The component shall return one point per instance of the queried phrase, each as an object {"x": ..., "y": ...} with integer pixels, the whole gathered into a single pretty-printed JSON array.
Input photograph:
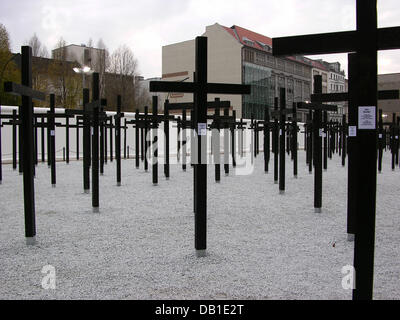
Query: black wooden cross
[
  {"x": 13, "y": 121},
  {"x": 394, "y": 140},
  {"x": 155, "y": 140},
  {"x": 317, "y": 135},
  {"x": 216, "y": 104},
  {"x": 353, "y": 154},
  {"x": 25, "y": 90},
  {"x": 281, "y": 114},
  {"x": 266, "y": 139},
  {"x": 94, "y": 108},
  {"x": 200, "y": 87},
  {"x": 275, "y": 141},
  {"x": 166, "y": 137},
  {"x": 380, "y": 140},
  {"x": 366, "y": 40},
  {"x": 52, "y": 140},
  {"x": 118, "y": 117}
]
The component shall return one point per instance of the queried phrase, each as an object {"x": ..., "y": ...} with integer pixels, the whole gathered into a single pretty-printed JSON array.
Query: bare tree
[
  {"x": 38, "y": 49},
  {"x": 123, "y": 69},
  {"x": 142, "y": 96},
  {"x": 102, "y": 64},
  {"x": 65, "y": 81},
  {"x": 39, "y": 66},
  {"x": 90, "y": 43}
]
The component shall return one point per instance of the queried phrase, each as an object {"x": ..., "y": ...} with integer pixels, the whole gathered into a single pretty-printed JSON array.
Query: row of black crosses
[
  {"x": 50, "y": 125},
  {"x": 92, "y": 117},
  {"x": 362, "y": 92},
  {"x": 143, "y": 122}
]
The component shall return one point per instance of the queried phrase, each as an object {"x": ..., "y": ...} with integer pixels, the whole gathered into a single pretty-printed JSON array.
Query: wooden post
[
  {"x": 86, "y": 142},
  {"x": 155, "y": 140},
  {"x": 52, "y": 155},
  {"x": 95, "y": 143},
  {"x": 282, "y": 155},
  {"x": 118, "y": 139},
  {"x": 166, "y": 137}
]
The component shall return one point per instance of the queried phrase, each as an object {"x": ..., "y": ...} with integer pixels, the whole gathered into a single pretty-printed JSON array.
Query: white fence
[{"x": 60, "y": 133}]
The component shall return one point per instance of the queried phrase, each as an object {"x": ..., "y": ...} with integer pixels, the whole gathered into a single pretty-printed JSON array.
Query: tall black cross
[
  {"x": 25, "y": 90},
  {"x": 118, "y": 117},
  {"x": 353, "y": 155},
  {"x": 281, "y": 114},
  {"x": 94, "y": 108},
  {"x": 216, "y": 105},
  {"x": 295, "y": 130},
  {"x": 317, "y": 135},
  {"x": 366, "y": 40},
  {"x": 52, "y": 154},
  {"x": 200, "y": 87}
]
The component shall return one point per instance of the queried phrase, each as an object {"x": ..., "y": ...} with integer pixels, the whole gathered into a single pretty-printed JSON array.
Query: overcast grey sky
[{"x": 145, "y": 26}]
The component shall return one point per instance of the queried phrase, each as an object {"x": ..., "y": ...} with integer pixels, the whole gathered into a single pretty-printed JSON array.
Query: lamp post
[{"x": 84, "y": 70}]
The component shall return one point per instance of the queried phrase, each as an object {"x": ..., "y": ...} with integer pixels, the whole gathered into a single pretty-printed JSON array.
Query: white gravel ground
[{"x": 261, "y": 245}]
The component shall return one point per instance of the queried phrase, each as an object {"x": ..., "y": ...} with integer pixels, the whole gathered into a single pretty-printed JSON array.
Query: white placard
[
  {"x": 380, "y": 136},
  {"x": 321, "y": 132},
  {"x": 280, "y": 132},
  {"x": 366, "y": 117},
  {"x": 202, "y": 129},
  {"x": 52, "y": 133},
  {"x": 352, "y": 131}
]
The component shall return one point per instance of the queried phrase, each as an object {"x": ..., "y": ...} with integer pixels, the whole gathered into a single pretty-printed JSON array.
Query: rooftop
[{"x": 258, "y": 41}]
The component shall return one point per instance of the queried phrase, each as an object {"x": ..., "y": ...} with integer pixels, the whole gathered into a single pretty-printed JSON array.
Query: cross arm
[
  {"x": 228, "y": 88},
  {"x": 189, "y": 105},
  {"x": 343, "y": 96},
  {"x": 172, "y": 86},
  {"x": 333, "y": 42},
  {"x": 278, "y": 112},
  {"x": 330, "y": 97},
  {"x": 319, "y": 43},
  {"x": 388, "y": 38},
  {"x": 20, "y": 90},
  {"x": 316, "y": 106},
  {"x": 388, "y": 94}
]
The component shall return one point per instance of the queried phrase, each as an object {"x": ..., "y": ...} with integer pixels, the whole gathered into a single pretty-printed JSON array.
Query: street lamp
[{"x": 84, "y": 70}]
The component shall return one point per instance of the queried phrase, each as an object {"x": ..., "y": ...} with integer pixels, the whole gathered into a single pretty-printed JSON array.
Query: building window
[
  {"x": 248, "y": 41},
  {"x": 270, "y": 60},
  {"x": 262, "y": 90},
  {"x": 248, "y": 55},
  {"x": 306, "y": 91},
  {"x": 281, "y": 64},
  {"x": 298, "y": 94},
  {"x": 260, "y": 58},
  {"x": 299, "y": 69},
  {"x": 289, "y": 67}
]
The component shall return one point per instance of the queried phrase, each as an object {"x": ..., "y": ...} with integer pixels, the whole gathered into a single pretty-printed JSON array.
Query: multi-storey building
[
  {"x": 93, "y": 58},
  {"x": 336, "y": 82},
  {"x": 238, "y": 55},
  {"x": 389, "y": 81}
]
